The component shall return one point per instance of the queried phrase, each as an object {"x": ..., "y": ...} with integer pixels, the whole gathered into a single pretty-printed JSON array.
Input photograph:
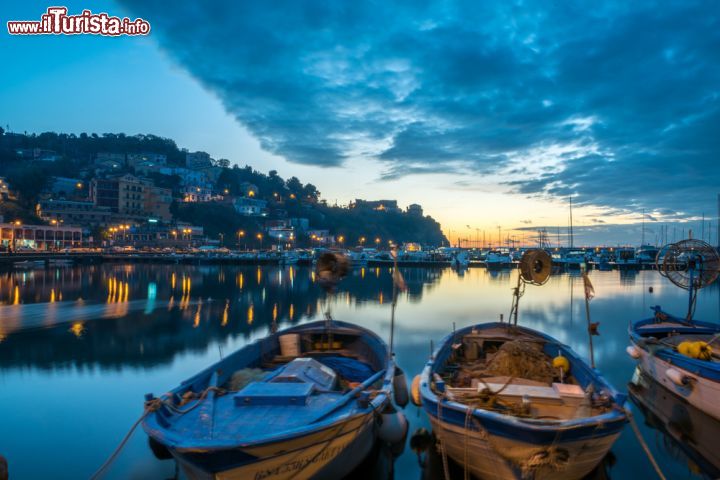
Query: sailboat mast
[
  {"x": 642, "y": 239},
  {"x": 571, "y": 226}
]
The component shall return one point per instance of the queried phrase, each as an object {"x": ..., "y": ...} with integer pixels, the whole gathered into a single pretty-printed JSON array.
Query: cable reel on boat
[
  {"x": 691, "y": 265},
  {"x": 535, "y": 268}
]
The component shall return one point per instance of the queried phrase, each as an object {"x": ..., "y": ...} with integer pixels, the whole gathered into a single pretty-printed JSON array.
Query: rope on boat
[
  {"x": 644, "y": 446},
  {"x": 150, "y": 407},
  {"x": 443, "y": 454}
]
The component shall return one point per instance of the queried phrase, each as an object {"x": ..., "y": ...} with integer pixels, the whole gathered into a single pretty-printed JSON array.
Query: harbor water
[{"x": 80, "y": 346}]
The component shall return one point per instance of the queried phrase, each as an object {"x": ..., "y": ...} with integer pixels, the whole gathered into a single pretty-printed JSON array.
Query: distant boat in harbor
[{"x": 495, "y": 259}]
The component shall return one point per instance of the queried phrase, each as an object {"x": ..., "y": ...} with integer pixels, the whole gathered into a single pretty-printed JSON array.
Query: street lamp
[
  {"x": 377, "y": 242},
  {"x": 260, "y": 237},
  {"x": 241, "y": 234},
  {"x": 341, "y": 239},
  {"x": 362, "y": 241},
  {"x": 17, "y": 223}
]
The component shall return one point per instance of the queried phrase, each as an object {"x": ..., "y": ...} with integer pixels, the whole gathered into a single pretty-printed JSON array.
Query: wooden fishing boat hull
[
  {"x": 496, "y": 446},
  {"x": 495, "y": 457},
  {"x": 701, "y": 387},
  {"x": 329, "y": 454}
]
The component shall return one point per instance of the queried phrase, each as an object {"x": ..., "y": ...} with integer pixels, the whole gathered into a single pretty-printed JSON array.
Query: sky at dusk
[{"x": 486, "y": 113}]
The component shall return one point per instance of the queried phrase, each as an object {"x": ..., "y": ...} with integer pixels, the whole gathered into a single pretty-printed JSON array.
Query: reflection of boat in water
[
  {"x": 29, "y": 264},
  {"x": 688, "y": 429},
  {"x": 300, "y": 403}
]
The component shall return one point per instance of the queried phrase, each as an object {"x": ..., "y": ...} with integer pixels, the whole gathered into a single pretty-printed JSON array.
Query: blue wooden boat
[
  {"x": 304, "y": 402},
  {"x": 518, "y": 425}
]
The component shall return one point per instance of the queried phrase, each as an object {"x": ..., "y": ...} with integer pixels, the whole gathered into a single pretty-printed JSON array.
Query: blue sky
[{"x": 487, "y": 113}]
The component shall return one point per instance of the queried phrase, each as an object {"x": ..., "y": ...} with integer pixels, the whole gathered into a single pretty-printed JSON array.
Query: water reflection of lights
[
  {"x": 77, "y": 329},
  {"x": 196, "y": 319},
  {"x": 275, "y": 312},
  {"x": 225, "y": 313},
  {"x": 16, "y": 296},
  {"x": 240, "y": 280},
  {"x": 291, "y": 313},
  {"x": 52, "y": 295},
  {"x": 259, "y": 275},
  {"x": 172, "y": 280},
  {"x": 250, "y": 314}
]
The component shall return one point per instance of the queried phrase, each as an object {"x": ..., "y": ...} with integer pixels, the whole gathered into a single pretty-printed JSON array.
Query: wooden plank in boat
[
  {"x": 544, "y": 394},
  {"x": 503, "y": 380}
]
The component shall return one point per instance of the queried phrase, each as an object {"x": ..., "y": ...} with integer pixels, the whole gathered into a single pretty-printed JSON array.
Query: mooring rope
[
  {"x": 644, "y": 446},
  {"x": 150, "y": 407},
  {"x": 443, "y": 454}
]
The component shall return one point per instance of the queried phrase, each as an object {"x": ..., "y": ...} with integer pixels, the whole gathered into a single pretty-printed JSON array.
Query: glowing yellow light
[
  {"x": 52, "y": 295},
  {"x": 291, "y": 313},
  {"x": 77, "y": 329},
  {"x": 259, "y": 275},
  {"x": 275, "y": 312},
  {"x": 250, "y": 314},
  {"x": 362, "y": 272},
  {"x": 225, "y": 314},
  {"x": 172, "y": 280},
  {"x": 251, "y": 193},
  {"x": 16, "y": 299},
  {"x": 381, "y": 298}
]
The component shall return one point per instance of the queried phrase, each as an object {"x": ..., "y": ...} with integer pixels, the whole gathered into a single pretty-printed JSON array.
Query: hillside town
[{"x": 148, "y": 200}]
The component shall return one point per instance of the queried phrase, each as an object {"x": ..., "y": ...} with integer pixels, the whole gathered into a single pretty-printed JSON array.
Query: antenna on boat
[
  {"x": 535, "y": 267},
  {"x": 331, "y": 267},
  {"x": 690, "y": 264}
]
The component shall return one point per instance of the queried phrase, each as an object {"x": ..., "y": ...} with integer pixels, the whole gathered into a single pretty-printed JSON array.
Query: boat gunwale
[{"x": 163, "y": 434}]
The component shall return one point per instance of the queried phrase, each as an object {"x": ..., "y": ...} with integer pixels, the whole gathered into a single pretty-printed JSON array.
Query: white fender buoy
[
  {"x": 678, "y": 377},
  {"x": 415, "y": 391},
  {"x": 633, "y": 352},
  {"x": 394, "y": 427},
  {"x": 400, "y": 389}
]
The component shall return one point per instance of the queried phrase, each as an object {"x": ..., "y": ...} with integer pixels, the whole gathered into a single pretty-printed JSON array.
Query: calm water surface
[{"x": 79, "y": 347}]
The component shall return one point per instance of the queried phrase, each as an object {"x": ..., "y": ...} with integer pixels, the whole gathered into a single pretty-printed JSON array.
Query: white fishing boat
[
  {"x": 498, "y": 259},
  {"x": 678, "y": 351}
]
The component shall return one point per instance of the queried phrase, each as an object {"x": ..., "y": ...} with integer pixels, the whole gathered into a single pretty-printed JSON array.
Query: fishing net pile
[{"x": 515, "y": 359}]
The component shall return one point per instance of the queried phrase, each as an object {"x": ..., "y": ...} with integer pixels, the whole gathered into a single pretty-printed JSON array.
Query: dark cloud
[{"x": 615, "y": 103}]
